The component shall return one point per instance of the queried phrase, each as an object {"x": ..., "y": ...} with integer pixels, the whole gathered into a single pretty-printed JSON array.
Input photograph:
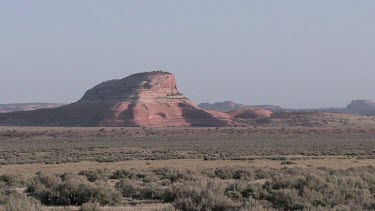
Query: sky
[{"x": 291, "y": 53}]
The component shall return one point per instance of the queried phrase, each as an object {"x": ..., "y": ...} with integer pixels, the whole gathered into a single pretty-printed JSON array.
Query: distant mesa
[
  {"x": 228, "y": 106},
  {"x": 359, "y": 107},
  {"x": 362, "y": 107},
  {"x": 225, "y": 106},
  {"x": 7, "y": 108},
  {"x": 149, "y": 99},
  {"x": 272, "y": 108}
]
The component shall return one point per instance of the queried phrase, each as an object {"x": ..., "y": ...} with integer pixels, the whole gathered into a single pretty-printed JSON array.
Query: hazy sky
[{"x": 291, "y": 53}]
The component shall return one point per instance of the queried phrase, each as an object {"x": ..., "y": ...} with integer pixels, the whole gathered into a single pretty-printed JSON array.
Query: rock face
[
  {"x": 6, "y": 108},
  {"x": 363, "y": 107},
  {"x": 146, "y": 99},
  {"x": 143, "y": 87}
]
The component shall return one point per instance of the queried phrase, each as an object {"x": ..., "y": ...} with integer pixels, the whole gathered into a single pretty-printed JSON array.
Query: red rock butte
[{"x": 149, "y": 99}]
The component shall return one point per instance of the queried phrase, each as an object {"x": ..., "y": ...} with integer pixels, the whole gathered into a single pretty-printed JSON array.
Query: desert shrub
[
  {"x": 20, "y": 202},
  {"x": 97, "y": 174},
  {"x": 244, "y": 191},
  {"x": 228, "y": 188},
  {"x": 168, "y": 173},
  {"x": 152, "y": 177},
  {"x": 42, "y": 181},
  {"x": 239, "y": 173},
  {"x": 157, "y": 192},
  {"x": 123, "y": 174},
  {"x": 5, "y": 192},
  {"x": 138, "y": 190},
  {"x": 12, "y": 180},
  {"x": 288, "y": 199},
  {"x": 224, "y": 173},
  {"x": 73, "y": 191},
  {"x": 90, "y": 206},
  {"x": 106, "y": 195},
  {"x": 129, "y": 188},
  {"x": 300, "y": 189},
  {"x": 202, "y": 195},
  {"x": 234, "y": 191}
]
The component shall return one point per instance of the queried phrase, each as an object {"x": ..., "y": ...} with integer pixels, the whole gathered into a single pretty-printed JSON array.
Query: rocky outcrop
[
  {"x": 272, "y": 108},
  {"x": 363, "y": 107},
  {"x": 148, "y": 99},
  {"x": 6, "y": 108},
  {"x": 225, "y": 106},
  {"x": 250, "y": 113}
]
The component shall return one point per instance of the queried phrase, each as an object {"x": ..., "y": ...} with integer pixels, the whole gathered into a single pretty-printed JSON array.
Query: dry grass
[
  {"x": 43, "y": 145},
  {"x": 335, "y": 162}
]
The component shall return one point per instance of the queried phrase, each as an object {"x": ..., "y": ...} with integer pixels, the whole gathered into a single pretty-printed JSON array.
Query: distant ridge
[
  {"x": 360, "y": 107},
  {"x": 13, "y": 107},
  {"x": 227, "y": 106}
]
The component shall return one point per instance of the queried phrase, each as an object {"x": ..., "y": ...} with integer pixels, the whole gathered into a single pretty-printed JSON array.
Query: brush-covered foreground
[
  {"x": 230, "y": 188},
  {"x": 257, "y": 168}
]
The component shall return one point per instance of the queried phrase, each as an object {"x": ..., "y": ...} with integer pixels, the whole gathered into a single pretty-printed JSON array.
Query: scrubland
[{"x": 263, "y": 167}]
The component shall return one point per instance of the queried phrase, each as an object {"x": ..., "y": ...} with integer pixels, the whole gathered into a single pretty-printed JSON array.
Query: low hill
[{"x": 250, "y": 113}]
